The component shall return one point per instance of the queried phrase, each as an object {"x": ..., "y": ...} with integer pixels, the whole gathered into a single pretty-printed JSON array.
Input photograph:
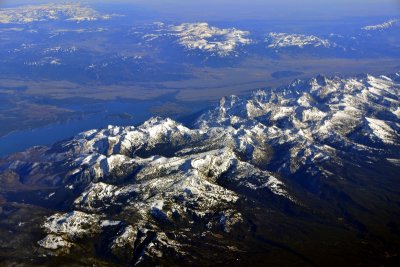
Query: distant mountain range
[
  {"x": 51, "y": 12},
  {"x": 192, "y": 37}
]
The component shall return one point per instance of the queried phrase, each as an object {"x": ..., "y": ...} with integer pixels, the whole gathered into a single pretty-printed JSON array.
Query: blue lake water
[{"x": 99, "y": 116}]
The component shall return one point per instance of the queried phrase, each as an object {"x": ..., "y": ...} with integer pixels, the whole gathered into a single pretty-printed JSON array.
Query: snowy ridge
[
  {"x": 201, "y": 36},
  {"x": 311, "y": 114},
  {"x": 281, "y": 40},
  {"x": 383, "y": 26},
  {"x": 220, "y": 42},
  {"x": 182, "y": 183},
  {"x": 224, "y": 42},
  {"x": 135, "y": 182},
  {"x": 50, "y": 12}
]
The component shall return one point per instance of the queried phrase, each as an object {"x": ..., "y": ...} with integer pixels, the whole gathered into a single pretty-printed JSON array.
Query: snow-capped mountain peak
[{"x": 204, "y": 37}]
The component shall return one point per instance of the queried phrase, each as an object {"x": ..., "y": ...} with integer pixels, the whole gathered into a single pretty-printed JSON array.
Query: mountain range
[{"x": 295, "y": 175}]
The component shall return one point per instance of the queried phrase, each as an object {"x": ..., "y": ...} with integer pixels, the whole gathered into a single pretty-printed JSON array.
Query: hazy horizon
[{"x": 254, "y": 9}]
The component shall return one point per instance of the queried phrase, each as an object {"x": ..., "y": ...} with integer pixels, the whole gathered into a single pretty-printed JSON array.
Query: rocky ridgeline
[{"x": 155, "y": 188}]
